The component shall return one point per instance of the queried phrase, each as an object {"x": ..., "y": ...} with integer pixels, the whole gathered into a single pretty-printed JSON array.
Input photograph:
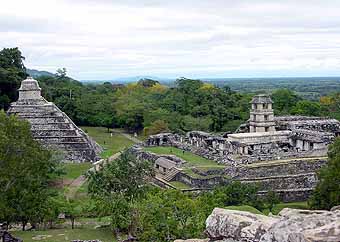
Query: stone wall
[
  {"x": 297, "y": 166},
  {"x": 209, "y": 182}
]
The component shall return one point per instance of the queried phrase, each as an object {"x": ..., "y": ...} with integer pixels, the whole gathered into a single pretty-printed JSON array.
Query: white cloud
[{"x": 105, "y": 39}]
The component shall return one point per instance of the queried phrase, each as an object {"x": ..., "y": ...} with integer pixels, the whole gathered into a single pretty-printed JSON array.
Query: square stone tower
[{"x": 261, "y": 114}]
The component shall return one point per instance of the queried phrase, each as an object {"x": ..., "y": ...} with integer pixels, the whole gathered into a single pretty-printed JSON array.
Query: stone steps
[
  {"x": 46, "y": 120},
  {"x": 71, "y": 146},
  {"x": 50, "y": 126},
  {"x": 171, "y": 174},
  {"x": 39, "y": 115},
  {"x": 54, "y": 132},
  {"x": 58, "y": 139}
]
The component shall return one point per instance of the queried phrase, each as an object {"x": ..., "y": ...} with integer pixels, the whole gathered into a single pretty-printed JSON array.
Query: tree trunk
[
  {"x": 23, "y": 225},
  {"x": 72, "y": 223}
]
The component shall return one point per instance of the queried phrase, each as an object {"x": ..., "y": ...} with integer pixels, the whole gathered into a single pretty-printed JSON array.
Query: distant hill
[
  {"x": 36, "y": 73},
  {"x": 130, "y": 79}
]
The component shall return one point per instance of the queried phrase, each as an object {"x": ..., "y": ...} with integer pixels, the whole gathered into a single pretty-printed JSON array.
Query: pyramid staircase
[{"x": 52, "y": 127}]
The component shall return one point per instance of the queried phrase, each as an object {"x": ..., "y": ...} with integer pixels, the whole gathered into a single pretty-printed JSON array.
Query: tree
[
  {"x": 156, "y": 127},
  {"x": 26, "y": 170},
  {"x": 61, "y": 72},
  {"x": 117, "y": 187},
  {"x": 72, "y": 210},
  {"x": 271, "y": 200},
  {"x": 166, "y": 215},
  {"x": 284, "y": 101},
  {"x": 306, "y": 107},
  {"x": 327, "y": 192},
  {"x": 12, "y": 72}
]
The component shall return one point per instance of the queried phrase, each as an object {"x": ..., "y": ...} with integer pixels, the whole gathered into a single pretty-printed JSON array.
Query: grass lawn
[
  {"x": 278, "y": 207},
  {"x": 110, "y": 144},
  {"x": 62, "y": 235},
  {"x": 74, "y": 170},
  {"x": 245, "y": 208},
  {"x": 179, "y": 185},
  {"x": 192, "y": 159}
]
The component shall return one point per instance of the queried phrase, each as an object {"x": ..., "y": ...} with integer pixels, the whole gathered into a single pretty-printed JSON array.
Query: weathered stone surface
[
  {"x": 237, "y": 225},
  {"x": 328, "y": 233},
  {"x": 297, "y": 225},
  {"x": 335, "y": 208},
  {"x": 192, "y": 240},
  {"x": 291, "y": 225}
]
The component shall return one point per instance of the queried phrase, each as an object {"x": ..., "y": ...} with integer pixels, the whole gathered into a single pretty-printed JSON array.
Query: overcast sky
[{"x": 106, "y": 39}]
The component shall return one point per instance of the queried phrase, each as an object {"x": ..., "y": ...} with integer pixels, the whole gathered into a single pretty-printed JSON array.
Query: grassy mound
[
  {"x": 245, "y": 208},
  {"x": 111, "y": 144}
]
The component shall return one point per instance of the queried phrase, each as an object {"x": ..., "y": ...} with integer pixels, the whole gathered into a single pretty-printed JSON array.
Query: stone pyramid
[{"x": 52, "y": 127}]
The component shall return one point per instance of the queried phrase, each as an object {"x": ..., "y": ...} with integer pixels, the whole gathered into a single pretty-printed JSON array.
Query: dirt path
[
  {"x": 74, "y": 186},
  {"x": 79, "y": 181},
  {"x": 133, "y": 139}
]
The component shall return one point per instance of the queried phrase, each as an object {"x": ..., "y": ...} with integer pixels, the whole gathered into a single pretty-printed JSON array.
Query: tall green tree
[
  {"x": 327, "y": 192},
  {"x": 117, "y": 187},
  {"x": 26, "y": 169},
  {"x": 12, "y": 72},
  {"x": 284, "y": 101},
  {"x": 169, "y": 215}
]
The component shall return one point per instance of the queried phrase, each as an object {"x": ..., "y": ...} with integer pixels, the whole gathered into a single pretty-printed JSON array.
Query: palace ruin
[{"x": 277, "y": 153}]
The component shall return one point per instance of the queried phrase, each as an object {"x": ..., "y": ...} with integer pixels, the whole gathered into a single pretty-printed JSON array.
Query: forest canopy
[{"x": 148, "y": 106}]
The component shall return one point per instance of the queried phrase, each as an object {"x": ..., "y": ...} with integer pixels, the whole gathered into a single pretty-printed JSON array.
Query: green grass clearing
[
  {"x": 111, "y": 145},
  {"x": 278, "y": 207},
  {"x": 179, "y": 185},
  {"x": 192, "y": 159},
  {"x": 62, "y": 235},
  {"x": 245, "y": 208},
  {"x": 191, "y": 173},
  {"x": 74, "y": 170}
]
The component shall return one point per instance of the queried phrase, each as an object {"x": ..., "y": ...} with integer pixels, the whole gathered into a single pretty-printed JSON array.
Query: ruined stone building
[
  {"x": 52, "y": 127},
  {"x": 277, "y": 153},
  {"x": 265, "y": 138}
]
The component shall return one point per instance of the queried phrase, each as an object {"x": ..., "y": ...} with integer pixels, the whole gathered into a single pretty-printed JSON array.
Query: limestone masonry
[
  {"x": 277, "y": 153},
  {"x": 264, "y": 137},
  {"x": 52, "y": 127}
]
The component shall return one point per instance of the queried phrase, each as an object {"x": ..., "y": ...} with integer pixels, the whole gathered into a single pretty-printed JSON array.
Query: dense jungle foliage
[{"x": 149, "y": 107}]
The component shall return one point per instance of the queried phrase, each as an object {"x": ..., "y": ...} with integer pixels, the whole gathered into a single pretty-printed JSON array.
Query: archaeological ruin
[
  {"x": 277, "y": 153},
  {"x": 52, "y": 127}
]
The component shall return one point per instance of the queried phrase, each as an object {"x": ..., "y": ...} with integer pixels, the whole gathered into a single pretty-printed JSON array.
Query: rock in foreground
[{"x": 291, "y": 225}]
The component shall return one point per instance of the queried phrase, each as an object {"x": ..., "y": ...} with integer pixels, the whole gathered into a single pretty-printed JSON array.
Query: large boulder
[
  {"x": 297, "y": 225},
  {"x": 292, "y": 225},
  {"x": 237, "y": 225}
]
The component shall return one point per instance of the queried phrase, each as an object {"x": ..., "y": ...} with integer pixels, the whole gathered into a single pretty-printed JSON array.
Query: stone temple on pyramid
[{"x": 52, "y": 127}]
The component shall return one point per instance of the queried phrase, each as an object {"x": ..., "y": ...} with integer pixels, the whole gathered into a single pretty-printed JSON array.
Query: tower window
[{"x": 266, "y": 117}]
